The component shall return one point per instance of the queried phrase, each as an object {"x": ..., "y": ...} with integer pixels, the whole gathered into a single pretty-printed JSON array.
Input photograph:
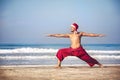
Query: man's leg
[
  {"x": 58, "y": 64},
  {"x": 85, "y": 57},
  {"x": 91, "y": 61},
  {"x": 61, "y": 54},
  {"x": 100, "y": 65}
]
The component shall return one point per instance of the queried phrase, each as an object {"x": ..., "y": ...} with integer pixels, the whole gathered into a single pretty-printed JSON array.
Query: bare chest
[{"x": 74, "y": 37}]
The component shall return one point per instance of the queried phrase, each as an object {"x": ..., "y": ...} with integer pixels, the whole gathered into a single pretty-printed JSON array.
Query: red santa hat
[{"x": 75, "y": 25}]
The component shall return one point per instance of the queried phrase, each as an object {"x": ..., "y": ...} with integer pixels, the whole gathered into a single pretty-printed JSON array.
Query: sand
[{"x": 66, "y": 73}]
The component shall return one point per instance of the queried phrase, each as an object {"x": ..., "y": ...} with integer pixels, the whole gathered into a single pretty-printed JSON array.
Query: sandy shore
[{"x": 66, "y": 73}]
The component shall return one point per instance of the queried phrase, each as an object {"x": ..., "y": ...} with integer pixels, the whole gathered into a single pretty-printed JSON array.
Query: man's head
[{"x": 74, "y": 27}]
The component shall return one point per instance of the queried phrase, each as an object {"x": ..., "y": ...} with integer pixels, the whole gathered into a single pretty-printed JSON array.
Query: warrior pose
[{"x": 76, "y": 48}]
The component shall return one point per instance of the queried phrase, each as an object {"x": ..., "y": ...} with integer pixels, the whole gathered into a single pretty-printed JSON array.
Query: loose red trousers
[{"x": 79, "y": 52}]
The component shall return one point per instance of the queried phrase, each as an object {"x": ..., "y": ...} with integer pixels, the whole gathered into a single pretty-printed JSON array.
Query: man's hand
[
  {"x": 101, "y": 35},
  {"x": 50, "y": 35}
]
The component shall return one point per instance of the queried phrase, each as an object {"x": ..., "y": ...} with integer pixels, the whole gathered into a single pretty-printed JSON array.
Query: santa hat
[{"x": 75, "y": 25}]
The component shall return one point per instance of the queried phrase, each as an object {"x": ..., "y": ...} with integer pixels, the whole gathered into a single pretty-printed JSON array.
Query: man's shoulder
[{"x": 81, "y": 32}]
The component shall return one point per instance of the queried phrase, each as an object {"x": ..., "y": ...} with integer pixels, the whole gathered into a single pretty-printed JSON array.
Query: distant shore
[{"x": 109, "y": 72}]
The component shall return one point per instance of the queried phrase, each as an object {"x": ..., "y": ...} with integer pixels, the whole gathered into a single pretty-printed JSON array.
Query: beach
[
  {"x": 65, "y": 73},
  {"x": 36, "y": 62}
]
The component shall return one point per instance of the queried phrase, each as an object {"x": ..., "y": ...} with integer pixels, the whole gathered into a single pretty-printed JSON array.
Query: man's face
[{"x": 72, "y": 29}]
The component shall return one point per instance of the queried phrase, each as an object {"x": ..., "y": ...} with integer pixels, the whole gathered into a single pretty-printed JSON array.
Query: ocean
[{"x": 44, "y": 54}]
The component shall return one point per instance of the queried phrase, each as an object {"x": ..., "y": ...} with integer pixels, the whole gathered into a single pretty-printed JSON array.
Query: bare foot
[
  {"x": 58, "y": 67},
  {"x": 100, "y": 65}
]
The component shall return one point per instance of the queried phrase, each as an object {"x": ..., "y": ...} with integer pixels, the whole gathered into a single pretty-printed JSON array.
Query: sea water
[{"x": 44, "y": 54}]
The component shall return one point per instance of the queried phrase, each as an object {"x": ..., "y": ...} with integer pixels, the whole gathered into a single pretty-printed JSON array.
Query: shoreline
[
  {"x": 54, "y": 65},
  {"x": 66, "y": 73}
]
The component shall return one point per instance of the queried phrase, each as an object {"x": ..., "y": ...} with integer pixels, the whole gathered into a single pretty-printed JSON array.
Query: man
[{"x": 76, "y": 48}]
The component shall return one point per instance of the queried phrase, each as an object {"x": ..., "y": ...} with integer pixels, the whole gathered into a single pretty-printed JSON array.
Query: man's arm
[
  {"x": 91, "y": 34},
  {"x": 59, "y": 35}
]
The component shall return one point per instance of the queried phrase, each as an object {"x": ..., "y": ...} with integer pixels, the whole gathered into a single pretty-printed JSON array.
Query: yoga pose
[{"x": 76, "y": 48}]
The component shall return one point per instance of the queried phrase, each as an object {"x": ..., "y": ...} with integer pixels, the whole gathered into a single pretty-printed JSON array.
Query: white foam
[
  {"x": 50, "y": 50},
  {"x": 53, "y": 57},
  {"x": 28, "y": 50},
  {"x": 26, "y": 57},
  {"x": 103, "y": 51}
]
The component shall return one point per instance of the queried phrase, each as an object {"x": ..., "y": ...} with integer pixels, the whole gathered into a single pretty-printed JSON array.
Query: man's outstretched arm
[
  {"x": 91, "y": 34},
  {"x": 58, "y": 35}
]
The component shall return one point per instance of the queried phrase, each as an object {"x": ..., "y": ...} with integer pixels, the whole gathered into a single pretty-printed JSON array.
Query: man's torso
[{"x": 75, "y": 39}]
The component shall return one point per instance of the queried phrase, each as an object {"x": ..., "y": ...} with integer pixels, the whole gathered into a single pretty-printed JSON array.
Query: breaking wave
[
  {"x": 50, "y": 50},
  {"x": 50, "y": 54}
]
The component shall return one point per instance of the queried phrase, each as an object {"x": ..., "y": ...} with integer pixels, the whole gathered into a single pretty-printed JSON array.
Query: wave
[
  {"x": 49, "y": 53},
  {"x": 104, "y": 51},
  {"x": 26, "y": 57},
  {"x": 28, "y": 50},
  {"x": 50, "y": 50},
  {"x": 53, "y": 57}
]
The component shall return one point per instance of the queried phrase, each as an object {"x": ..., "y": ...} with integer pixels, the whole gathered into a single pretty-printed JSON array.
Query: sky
[{"x": 28, "y": 21}]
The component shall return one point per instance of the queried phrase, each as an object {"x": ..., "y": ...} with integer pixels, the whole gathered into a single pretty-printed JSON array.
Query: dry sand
[{"x": 66, "y": 73}]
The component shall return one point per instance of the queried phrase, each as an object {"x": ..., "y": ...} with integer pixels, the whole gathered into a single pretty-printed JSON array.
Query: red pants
[{"x": 79, "y": 52}]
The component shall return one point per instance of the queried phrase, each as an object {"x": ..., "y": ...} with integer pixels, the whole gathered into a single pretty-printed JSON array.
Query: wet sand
[{"x": 66, "y": 73}]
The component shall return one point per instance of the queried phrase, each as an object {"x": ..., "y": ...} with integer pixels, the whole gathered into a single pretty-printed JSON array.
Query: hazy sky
[{"x": 28, "y": 21}]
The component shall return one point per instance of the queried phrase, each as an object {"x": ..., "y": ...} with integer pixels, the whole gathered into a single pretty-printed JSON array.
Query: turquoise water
[
  {"x": 44, "y": 54},
  {"x": 56, "y": 46}
]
